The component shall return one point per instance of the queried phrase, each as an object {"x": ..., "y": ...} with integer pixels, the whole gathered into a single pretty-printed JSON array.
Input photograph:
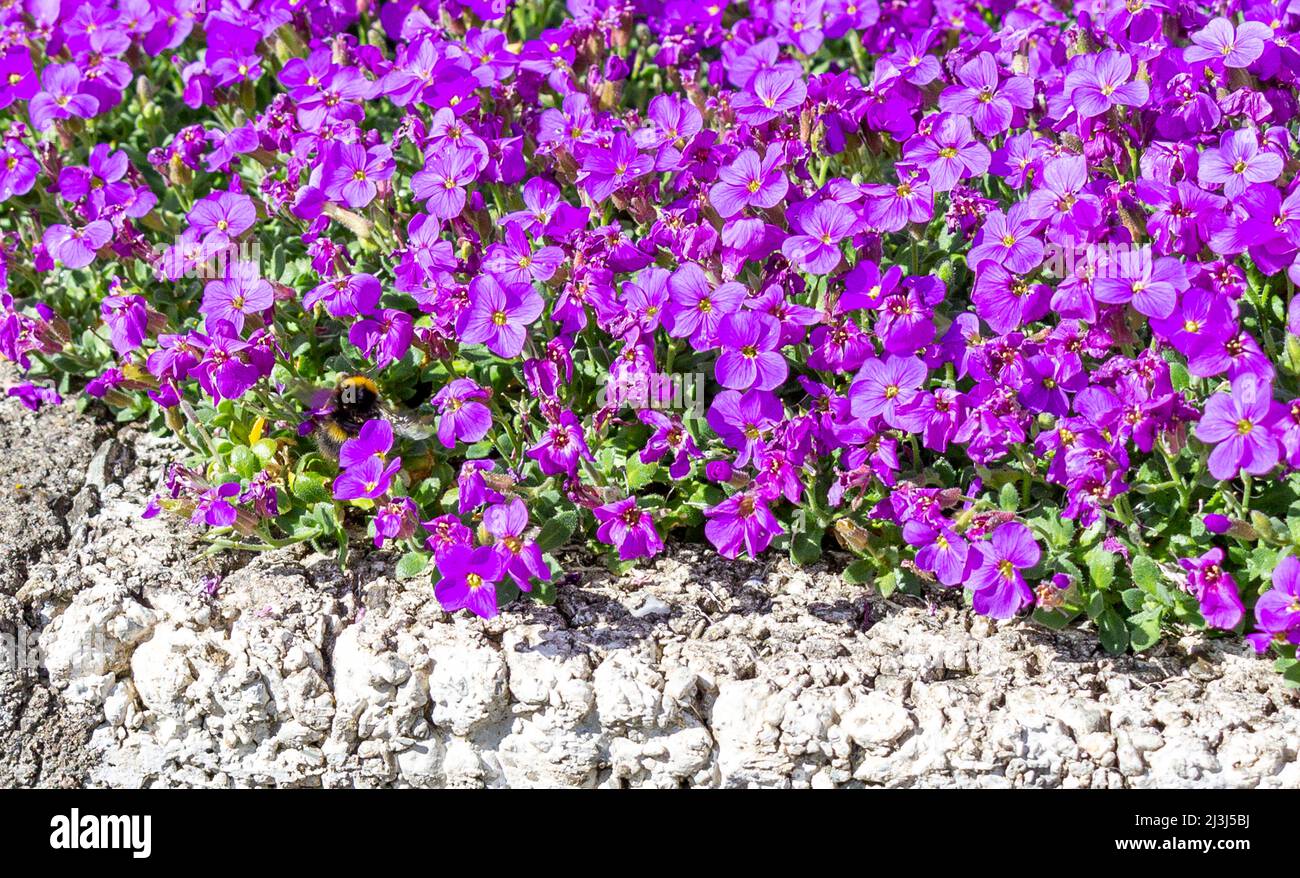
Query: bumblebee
[{"x": 354, "y": 401}]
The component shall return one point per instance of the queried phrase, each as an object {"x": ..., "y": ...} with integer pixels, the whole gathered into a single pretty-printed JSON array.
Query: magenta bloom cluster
[{"x": 992, "y": 296}]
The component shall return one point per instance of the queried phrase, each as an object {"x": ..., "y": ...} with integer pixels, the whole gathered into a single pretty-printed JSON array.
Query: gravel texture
[{"x": 692, "y": 671}]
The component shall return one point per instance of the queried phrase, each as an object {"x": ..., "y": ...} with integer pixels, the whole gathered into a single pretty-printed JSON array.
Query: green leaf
[
  {"x": 412, "y": 564},
  {"x": 859, "y": 572},
  {"x": 1009, "y": 497},
  {"x": 1146, "y": 574},
  {"x": 310, "y": 488},
  {"x": 557, "y": 530},
  {"x": 1144, "y": 630},
  {"x": 640, "y": 474},
  {"x": 886, "y": 584},
  {"x": 1113, "y": 631},
  {"x": 1134, "y": 598},
  {"x": 244, "y": 461},
  {"x": 806, "y": 546},
  {"x": 1101, "y": 567},
  {"x": 1096, "y": 605}
]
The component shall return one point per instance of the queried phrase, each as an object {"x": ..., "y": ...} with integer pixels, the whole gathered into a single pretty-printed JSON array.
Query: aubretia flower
[
  {"x": 750, "y": 352},
  {"x": 742, "y": 521},
  {"x": 561, "y": 447},
  {"x": 469, "y": 578},
  {"x": 950, "y": 153},
  {"x": 33, "y": 397},
  {"x": 697, "y": 309},
  {"x": 743, "y": 421},
  {"x": 465, "y": 418},
  {"x": 1215, "y": 589},
  {"x": 990, "y": 104},
  {"x": 605, "y": 171},
  {"x": 1237, "y": 424},
  {"x": 222, "y": 216},
  {"x": 441, "y": 183},
  {"x": 1099, "y": 83},
  {"x": 769, "y": 94},
  {"x": 507, "y": 522},
  {"x": 355, "y": 171},
  {"x": 817, "y": 249},
  {"x": 1009, "y": 239},
  {"x": 883, "y": 387},
  {"x": 76, "y": 248},
  {"x": 242, "y": 292},
  {"x": 499, "y": 316},
  {"x": 372, "y": 442},
  {"x": 938, "y": 550},
  {"x": 1238, "y": 162},
  {"x": 1152, "y": 285},
  {"x": 395, "y": 520},
  {"x": 1235, "y": 47},
  {"x": 993, "y": 571},
  {"x": 384, "y": 338},
  {"x": 370, "y": 478},
  {"x": 749, "y": 181},
  {"x": 127, "y": 318},
  {"x": 61, "y": 97},
  {"x": 214, "y": 508},
  {"x": 1277, "y": 612},
  {"x": 628, "y": 528},
  {"x": 515, "y": 262}
]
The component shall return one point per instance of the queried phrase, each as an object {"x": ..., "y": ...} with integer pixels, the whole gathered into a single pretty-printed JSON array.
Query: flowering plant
[{"x": 993, "y": 296}]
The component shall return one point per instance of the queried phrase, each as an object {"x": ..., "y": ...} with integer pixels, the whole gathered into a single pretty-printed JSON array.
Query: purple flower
[
  {"x": 606, "y": 170},
  {"x": 242, "y": 292},
  {"x": 18, "y": 169},
  {"x": 506, "y": 522},
  {"x": 354, "y": 171},
  {"x": 346, "y": 295},
  {"x": 950, "y": 153},
  {"x": 1215, "y": 589},
  {"x": 127, "y": 318},
  {"x": 629, "y": 529},
  {"x": 749, "y": 182},
  {"x": 373, "y": 442},
  {"x": 222, "y": 216},
  {"x": 469, "y": 578},
  {"x": 742, "y": 521},
  {"x": 939, "y": 550},
  {"x": 991, "y": 105},
  {"x": 993, "y": 571},
  {"x": 744, "y": 421},
  {"x": 385, "y": 338},
  {"x": 213, "y": 506},
  {"x": 514, "y": 262},
  {"x": 1236, "y": 424},
  {"x": 817, "y": 249},
  {"x": 33, "y": 397},
  {"x": 1238, "y": 162},
  {"x": 1277, "y": 612},
  {"x": 464, "y": 416},
  {"x": 498, "y": 316},
  {"x": 769, "y": 94},
  {"x": 1009, "y": 240},
  {"x": 441, "y": 183},
  {"x": 696, "y": 310},
  {"x": 884, "y": 387},
  {"x": 1152, "y": 285},
  {"x": 60, "y": 97},
  {"x": 750, "y": 352},
  {"x": 370, "y": 479},
  {"x": 1235, "y": 47},
  {"x": 561, "y": 446},
  {"x": 395, "y": 520},
  {"x": 76, "y": 248},
  {"x": 669, "y": 437},
  {"x": 1098, "y": 83}
]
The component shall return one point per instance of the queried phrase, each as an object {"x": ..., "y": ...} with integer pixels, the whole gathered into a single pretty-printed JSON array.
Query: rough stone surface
[{"x": 691, "y": 671}]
